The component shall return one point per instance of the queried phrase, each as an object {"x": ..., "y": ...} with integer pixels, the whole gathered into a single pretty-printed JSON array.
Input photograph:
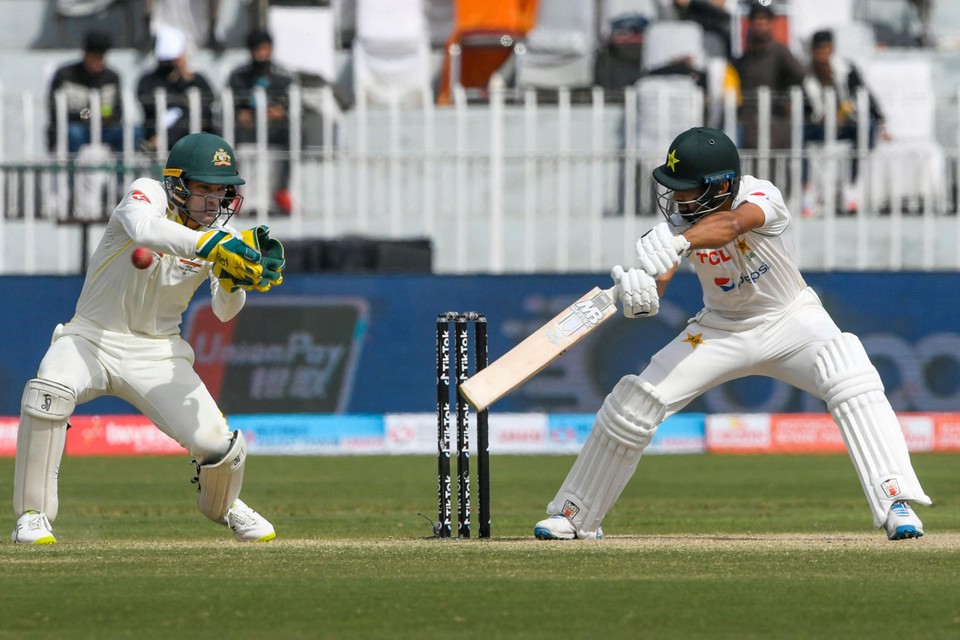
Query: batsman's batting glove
[
  {"x": 232, "y": 255},
  {"x": 638, "y": 292},
  {"x": 657, "y": 250}
]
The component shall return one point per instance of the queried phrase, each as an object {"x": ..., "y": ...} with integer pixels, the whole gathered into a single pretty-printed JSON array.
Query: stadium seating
[
  {"x": 854, "y": 41},
  {"x": 439, "y": 21},
  {"x": 303, "y": 39},
  {"x": 668, "y": 41},
  {"x": 809, "y": 16},
  {"x": 391, "y": 52},
  {"x": 560, "y": 51},
  {"x": 911, "y": 167},
  {"x": 484, "y": 35},
  {"x": 668, "y": 106}
]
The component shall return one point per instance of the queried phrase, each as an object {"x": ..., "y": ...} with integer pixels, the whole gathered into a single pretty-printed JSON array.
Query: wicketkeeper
[
  {"x": 124, "y": 339},
  {"x": 759, "y": 318}
]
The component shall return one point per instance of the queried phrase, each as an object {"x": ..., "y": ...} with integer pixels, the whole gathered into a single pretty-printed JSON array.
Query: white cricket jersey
[
  {"x": 755, "y": 275},
  {"x": 149, "y": 302}
]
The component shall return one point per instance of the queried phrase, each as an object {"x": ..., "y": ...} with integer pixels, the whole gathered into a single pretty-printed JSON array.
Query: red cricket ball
[{"x": 141, "y": 257}]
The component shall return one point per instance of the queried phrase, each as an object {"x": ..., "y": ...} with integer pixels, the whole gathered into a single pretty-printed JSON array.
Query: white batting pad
[
  {"x": 44, "y": 410},
  {"x": 850, "y": 385},
  {"x": 623, "y": 428},
  {"x": 220, "y": 481}
]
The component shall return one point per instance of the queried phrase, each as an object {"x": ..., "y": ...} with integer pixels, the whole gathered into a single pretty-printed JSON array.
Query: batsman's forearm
[
  {"x": 723, "y": 227},
  {"x": 713, "y": 231},
  {"x": 664, "y": 281}
]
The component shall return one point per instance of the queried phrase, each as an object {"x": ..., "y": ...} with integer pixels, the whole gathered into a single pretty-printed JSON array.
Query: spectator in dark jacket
[
  {"x": 76, "y": 80},
  {"x": 766, "y": 63},
  {"x": 175, "y": 76},
  {"x": 715, "y": 20},
  {"x": 275, "y": 81},
  {"x": 830, "y": 72}
]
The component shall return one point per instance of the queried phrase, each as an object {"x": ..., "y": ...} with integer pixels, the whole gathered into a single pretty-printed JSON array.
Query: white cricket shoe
[
  {"x": 33, "y": 528},
  {"x": 902, "y": 522},
  {"x": 559, "y": 527},
  {"x": 248, "y": 525}
]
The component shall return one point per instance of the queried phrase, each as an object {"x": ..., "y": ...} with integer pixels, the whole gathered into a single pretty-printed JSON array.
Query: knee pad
[
  {"x": 631, "y": 413},
  {"x": 220, "y": 481},
  {"x": 48, "y": 400},
  {"x": 45, "y": 408},
  {"x": 844, "y": 371},
  {"x": 851, "y": 386},
  {"x": 624, "y": 426}
]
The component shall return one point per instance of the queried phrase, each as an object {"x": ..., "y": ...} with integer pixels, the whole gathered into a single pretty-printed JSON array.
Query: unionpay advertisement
[{"x": 280, "y": 354}]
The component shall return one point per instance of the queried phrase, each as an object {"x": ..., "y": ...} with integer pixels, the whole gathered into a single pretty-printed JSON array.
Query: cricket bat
[{"x": 538, "y": 350}]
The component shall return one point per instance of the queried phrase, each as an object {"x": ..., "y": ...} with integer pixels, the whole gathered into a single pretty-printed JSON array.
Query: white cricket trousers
[
  {"x": 705, "y": 355},
  {"x": 155, "y": 375}
]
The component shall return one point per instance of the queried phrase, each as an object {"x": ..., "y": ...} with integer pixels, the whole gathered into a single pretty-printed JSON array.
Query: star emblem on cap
[{"x": 672, "y": 160}]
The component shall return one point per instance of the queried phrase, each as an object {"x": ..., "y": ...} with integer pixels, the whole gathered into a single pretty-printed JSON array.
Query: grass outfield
[{"x": 697, "y": 547}]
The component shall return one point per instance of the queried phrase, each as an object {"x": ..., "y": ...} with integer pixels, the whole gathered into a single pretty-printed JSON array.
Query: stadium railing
[{"x": 514, "y": 184}]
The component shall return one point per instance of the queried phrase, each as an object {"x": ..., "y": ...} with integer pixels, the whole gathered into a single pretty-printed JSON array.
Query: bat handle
[{"x": 613, "y": 292}]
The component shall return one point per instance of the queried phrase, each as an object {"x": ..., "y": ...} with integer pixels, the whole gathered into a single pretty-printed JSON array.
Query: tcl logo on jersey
[
  {"x": 719, "y": 256},
  {"x": 140, "y": 196},
  {"x": 713, "y": 257},
  {"x": 726, "y": 284}
]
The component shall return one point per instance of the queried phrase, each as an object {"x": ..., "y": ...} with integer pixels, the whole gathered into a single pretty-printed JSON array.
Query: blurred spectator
[
  {"x": 924, "y": 10},
  {"x": 830, "y": 72},
  {"x": 715, "y": 20},
  {"x": 197, "y": 19},
  {"x": 766, "y": 63},
  {"x": 620, "y": 61},
  {"x": 76, "y": 80},
  {"x": 276, "y": 82},
  {"x": 174, "y": 75}
]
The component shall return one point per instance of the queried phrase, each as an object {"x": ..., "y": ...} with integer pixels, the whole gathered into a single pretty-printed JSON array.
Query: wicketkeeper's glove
[
  {"x": 230, "y": 256},
  {"x": 231, "y": 283},
  {"x": 271, "y": 253},
  {"x": 272, "y": 262}
]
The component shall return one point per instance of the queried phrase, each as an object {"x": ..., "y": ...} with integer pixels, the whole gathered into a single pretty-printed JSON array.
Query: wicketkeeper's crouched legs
[
  {"x": 850, "y": 385},
  {"x": 220, "y": 481},
  {"x": 623, "y": 428},
  {"x": 44, "y": 410},
  {"x": 219, "y": 494}
]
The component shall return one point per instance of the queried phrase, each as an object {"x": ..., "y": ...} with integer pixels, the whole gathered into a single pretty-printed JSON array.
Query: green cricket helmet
[
  {"x": 208, "y": 158},
  {"x": 698, "y": 157}
]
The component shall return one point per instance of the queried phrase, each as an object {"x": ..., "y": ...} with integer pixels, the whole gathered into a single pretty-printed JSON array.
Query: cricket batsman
[
  {"x": 759, "y": 318},
  {"x": 124, "y": 339}
]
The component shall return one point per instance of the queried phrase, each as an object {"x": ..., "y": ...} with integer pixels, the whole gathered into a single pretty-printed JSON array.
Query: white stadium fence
[{"x": 520, "y": 182}]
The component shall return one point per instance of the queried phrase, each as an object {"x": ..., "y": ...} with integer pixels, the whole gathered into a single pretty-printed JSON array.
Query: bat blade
[{"x": 539, "y": 349}]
